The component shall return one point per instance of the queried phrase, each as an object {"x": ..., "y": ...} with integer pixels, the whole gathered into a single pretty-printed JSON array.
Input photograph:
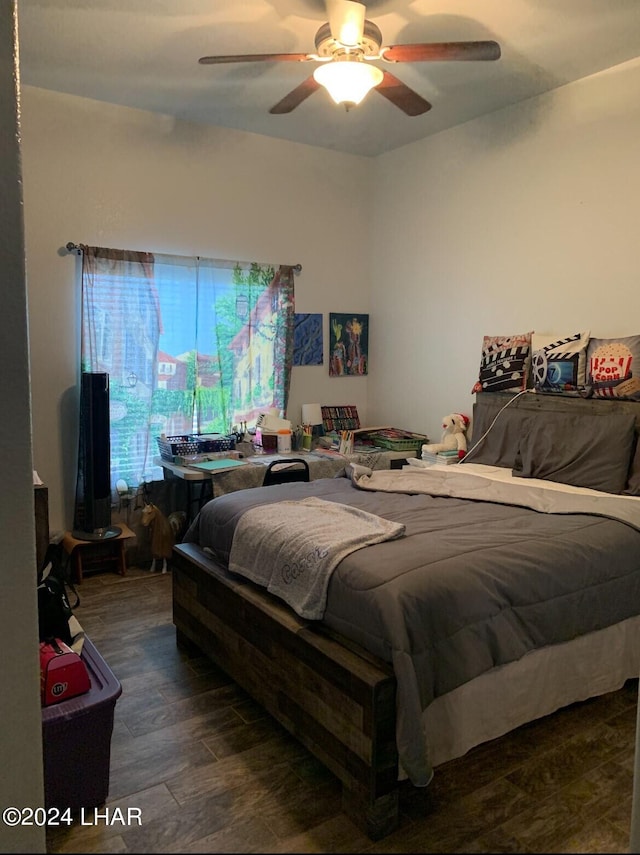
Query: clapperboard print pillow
[
  {"x": 559, "y": 363},
  {"x": 505, "y": 363}
]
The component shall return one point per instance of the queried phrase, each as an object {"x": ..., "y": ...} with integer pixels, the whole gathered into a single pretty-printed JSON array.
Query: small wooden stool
[{"x": 94, "y": 554}]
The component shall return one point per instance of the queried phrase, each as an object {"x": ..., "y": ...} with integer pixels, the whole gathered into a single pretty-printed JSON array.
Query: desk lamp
[{"x": 312, "y": 417}]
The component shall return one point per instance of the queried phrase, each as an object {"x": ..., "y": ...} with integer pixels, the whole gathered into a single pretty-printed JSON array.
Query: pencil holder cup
[{"x": 306, "y": 441}]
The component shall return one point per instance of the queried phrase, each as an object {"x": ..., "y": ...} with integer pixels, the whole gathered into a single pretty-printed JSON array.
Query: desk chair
[{"x": 287, "y": 473}]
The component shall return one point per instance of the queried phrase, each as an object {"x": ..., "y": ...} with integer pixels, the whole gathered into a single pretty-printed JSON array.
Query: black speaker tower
[{"x": 93, "y": 487}]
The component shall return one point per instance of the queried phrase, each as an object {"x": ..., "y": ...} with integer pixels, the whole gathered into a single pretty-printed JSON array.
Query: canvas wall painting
[
  {"x": 307, "y": 339},
  {"x": 349, "y": 344}
]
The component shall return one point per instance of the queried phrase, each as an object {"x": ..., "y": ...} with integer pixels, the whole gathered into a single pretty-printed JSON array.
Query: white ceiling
[{"x": 144, "y": 54}]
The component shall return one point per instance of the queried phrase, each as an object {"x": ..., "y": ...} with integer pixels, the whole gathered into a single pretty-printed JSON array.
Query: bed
[{"x": 488, "y": 594}]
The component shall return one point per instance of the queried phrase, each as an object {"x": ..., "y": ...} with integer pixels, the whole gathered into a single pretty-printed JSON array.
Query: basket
[
  {"x": 399, "y": 440},
  {"x": 189, "y": 444}
]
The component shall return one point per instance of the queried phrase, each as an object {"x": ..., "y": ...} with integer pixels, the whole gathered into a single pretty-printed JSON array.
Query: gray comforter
[{"x": 473, "y": 584}]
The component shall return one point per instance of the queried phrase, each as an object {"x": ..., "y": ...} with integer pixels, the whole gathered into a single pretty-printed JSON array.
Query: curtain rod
[{"x": 78, "y": 247}]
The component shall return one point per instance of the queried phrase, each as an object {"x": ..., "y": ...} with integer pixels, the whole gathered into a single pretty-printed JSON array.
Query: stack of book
[{"x": 445, "y": 457}]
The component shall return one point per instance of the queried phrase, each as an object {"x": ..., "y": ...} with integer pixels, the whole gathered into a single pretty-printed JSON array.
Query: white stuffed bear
[{"x": 454, "y": 435}]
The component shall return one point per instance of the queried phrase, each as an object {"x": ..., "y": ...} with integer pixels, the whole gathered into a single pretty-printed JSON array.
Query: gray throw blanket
[{"x": 292, "y": 547}]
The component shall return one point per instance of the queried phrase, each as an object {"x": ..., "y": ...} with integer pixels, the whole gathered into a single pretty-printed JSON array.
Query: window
[{"x": 190, "y": 345}]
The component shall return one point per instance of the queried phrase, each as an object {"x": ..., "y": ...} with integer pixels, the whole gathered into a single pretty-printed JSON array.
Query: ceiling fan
[{"x": 346, "y": 47}]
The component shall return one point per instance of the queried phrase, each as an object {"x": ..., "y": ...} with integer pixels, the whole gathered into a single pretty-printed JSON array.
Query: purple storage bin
[{"x": 76, "y": 740}]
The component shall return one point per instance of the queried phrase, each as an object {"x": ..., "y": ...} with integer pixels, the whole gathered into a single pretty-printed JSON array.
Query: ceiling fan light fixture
[
  {"x": 348, "y": 80},
  {"x": 346, "y": 20}
]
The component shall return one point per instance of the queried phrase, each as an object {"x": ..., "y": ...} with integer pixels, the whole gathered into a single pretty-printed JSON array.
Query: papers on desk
[
  {"x": 217, "y": 465},
  {"x": 284, "y": 458}
]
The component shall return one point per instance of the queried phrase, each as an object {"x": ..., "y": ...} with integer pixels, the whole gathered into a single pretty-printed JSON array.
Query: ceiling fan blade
[
  {"x": 296, "y": 96},
  {"x": 346, "y": 21},
  {"x": 255, "y": 57},
  {"x": 442, "y": 52},
  {"x": 402, "y": 96}
]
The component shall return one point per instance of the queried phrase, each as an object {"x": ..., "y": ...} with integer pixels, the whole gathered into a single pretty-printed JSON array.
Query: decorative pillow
[
  {"x": 568, "y": 448},
  {"x": 558, "y": 363},
  {"x": 504, "y": 366},
  {"x": 614, "y": 367}
]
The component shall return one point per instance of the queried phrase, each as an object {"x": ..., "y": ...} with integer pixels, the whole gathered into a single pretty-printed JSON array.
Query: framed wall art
[
  {"x": 307, "y": 339},
  {"x": 349, "y": 344}
]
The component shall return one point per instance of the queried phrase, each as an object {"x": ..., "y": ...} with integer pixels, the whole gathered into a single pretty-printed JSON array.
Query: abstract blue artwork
[{"x": 307, "y": 340}]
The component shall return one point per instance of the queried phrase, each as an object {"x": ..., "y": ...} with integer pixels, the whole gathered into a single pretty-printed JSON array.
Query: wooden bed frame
[{"x": 339, "y": 702}]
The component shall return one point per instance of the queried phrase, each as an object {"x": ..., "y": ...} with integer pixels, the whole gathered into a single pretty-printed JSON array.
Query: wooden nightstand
[{"x": 97, "y": 554}]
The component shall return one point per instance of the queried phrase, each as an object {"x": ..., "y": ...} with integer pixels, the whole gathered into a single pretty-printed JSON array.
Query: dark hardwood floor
[{"x": 210, "y": 772}]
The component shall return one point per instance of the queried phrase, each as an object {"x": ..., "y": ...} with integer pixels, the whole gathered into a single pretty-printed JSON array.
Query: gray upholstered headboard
[
  {"x": 487, "y": 405},
  {"x": 600, "y": 452}
]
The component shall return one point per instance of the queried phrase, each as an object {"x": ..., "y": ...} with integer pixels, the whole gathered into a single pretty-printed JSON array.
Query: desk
[
  {"x": 200, "y": 485},
  {"x": 321, "y": 465},
  {"x": 97, "y": 553}
]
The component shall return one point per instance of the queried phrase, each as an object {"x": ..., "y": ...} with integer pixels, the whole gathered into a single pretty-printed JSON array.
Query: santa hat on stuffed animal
[{"x": 464, "y": 419}]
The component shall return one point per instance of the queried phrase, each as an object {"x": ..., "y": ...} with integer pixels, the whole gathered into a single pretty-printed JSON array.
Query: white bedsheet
[{"x": 497, "y": 484}]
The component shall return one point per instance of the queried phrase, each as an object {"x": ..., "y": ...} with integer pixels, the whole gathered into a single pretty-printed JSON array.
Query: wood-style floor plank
[{"x": 210, "y": 771}]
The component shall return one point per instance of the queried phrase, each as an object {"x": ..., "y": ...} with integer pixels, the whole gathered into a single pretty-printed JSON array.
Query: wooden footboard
[{"x": 339, "y": 704}]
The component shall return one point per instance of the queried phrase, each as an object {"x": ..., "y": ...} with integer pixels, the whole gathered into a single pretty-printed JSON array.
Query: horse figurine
[{"x": 162, "y": 535}]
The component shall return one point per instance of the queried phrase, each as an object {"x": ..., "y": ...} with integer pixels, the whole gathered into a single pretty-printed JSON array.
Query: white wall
[
  {"x": 522, "y": 220},
  {"x": 111, "y": 176},
  {"x": 21, "y": 780}
]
